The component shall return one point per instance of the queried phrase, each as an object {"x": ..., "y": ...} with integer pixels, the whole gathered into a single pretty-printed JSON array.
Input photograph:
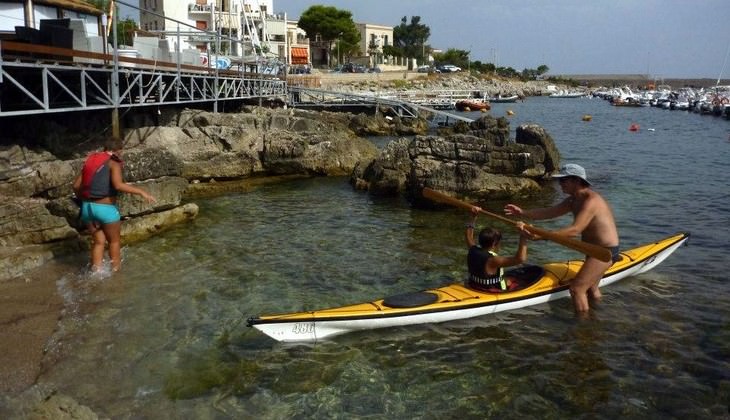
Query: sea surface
[{"x": 167, "y": 337}]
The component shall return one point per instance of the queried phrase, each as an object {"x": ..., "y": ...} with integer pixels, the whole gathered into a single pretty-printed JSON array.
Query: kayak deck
[{"x": 456, "y": 301}]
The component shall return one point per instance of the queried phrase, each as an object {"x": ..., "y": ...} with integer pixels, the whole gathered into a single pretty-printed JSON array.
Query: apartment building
[
  {"x": 248, "y": 27},
  {"x": 372, "y": 40}
]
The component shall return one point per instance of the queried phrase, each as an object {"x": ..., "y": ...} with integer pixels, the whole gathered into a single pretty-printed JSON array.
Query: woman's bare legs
[
  {"x": 112, "y": 231},
  {"x": 97, "y": 247}
]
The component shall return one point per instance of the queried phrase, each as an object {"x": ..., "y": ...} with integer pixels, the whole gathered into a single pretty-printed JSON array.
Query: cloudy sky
[{"x": 664, "y": 38}]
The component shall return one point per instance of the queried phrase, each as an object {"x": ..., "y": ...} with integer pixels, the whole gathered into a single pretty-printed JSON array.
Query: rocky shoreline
[{"x": 181, "y": 155}]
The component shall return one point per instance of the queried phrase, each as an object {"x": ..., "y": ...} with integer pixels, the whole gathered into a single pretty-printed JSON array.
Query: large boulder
[
  {"x": 257, "y": 142},
  {"x": 482, "y": 163},
  {"x": 27, "y": 221},
  {"x": 535, "y": 135}
]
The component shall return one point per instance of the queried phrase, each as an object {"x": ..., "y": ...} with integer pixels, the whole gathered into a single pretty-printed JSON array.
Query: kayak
[{"x": 535, "y": 285}]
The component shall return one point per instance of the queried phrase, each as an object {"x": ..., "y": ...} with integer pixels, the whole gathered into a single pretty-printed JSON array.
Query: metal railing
[{"x": 36, "y": 79}]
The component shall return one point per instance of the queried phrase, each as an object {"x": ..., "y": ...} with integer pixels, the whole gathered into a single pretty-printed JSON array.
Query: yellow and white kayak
[{"x": 537, "y": 284}]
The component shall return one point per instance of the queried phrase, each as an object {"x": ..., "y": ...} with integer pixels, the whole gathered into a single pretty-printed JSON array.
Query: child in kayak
[{"x": 486, "y": 267}]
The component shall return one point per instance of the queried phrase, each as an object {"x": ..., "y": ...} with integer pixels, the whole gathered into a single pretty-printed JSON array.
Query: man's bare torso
[{"x": 601, "y": 229}]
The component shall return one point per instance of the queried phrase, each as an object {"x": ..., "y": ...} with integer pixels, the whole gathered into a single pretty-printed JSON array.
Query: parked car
[
  {"x": 449, "y": 68},
  {"x": 427, "y": 69},
  {"x": 353, "y": 68},
  {"x": 375, "y": 69}
]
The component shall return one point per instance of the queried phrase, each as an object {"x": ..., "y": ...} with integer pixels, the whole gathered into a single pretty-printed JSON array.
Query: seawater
[{"x": 166, "y": 337}]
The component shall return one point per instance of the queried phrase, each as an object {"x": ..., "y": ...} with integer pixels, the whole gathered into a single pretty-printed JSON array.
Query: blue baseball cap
[{"x": 571, "y": 169}]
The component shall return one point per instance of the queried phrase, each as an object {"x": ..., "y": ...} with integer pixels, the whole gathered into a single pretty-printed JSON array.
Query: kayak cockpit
[{"x": 520, "y": 278}]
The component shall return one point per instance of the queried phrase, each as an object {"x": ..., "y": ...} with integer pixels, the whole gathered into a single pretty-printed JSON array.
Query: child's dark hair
[
  {"x": 113, "y": 144},
  {"x": 488, "y": 237}
]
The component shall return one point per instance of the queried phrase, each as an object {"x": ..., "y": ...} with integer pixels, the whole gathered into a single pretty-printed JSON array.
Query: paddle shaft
[{"x": 592, "y": 250}]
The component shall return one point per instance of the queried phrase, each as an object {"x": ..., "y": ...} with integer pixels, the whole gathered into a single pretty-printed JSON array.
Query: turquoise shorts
[{"x": 99, "y": 213}]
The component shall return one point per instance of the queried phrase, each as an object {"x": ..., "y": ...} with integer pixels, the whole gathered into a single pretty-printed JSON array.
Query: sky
[{"x": 661, "y": 38}]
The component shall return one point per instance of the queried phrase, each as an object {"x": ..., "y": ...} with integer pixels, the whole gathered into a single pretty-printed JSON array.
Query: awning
[{"x": 299, "y": 55}]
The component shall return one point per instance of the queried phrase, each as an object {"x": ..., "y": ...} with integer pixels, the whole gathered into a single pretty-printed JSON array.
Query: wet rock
[
  {"x": 481, "y": 163},
  {"x": 27, "y": 221}
]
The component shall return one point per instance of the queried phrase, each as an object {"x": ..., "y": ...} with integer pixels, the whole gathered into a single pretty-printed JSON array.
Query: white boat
[
  {"x": 504, "y": 99},
  {"x": 567, "y": 94}
]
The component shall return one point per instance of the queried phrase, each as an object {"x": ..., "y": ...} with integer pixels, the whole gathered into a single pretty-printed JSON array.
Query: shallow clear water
[{"x": 166, "y": 338}]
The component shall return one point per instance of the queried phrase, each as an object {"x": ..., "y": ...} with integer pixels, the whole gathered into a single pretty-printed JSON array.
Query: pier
[
  {"x": 38, "y": 79},
  {"x": 401, "y": 106}
]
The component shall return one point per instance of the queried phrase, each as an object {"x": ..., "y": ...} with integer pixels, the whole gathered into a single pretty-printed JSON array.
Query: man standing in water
[{"x": 592, "y": 219}]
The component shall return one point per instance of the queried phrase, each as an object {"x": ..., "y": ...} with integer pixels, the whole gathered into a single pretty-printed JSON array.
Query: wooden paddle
[{"x": 595, "y": 251}]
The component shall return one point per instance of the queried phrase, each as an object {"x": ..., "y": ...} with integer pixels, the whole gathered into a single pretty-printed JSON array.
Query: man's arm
[{"x": 581, "y": 220}]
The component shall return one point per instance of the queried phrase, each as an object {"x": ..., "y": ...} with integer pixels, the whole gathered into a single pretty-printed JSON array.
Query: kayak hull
[{"x": 455, "y": 301}]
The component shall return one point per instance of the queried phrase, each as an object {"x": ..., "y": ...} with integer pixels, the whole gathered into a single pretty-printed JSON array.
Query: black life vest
[{"x": 476, "y": 260}]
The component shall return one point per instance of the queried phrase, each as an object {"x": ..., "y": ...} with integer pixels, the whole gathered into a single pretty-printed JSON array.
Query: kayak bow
[{"x": 457, "y": 301}]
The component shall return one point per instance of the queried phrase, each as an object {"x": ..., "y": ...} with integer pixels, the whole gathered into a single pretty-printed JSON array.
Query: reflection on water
[{"x": 167, "y": 336}]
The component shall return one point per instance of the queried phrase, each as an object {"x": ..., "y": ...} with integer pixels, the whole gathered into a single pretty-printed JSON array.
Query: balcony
[{"x": 199, "y": 8}]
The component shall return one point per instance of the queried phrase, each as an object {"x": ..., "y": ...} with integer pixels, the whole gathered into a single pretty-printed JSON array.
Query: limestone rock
[
  {"x": 26, "y": 221},
  {"x": 148, "y": 225},
  {"x": 481, "y": 163}
]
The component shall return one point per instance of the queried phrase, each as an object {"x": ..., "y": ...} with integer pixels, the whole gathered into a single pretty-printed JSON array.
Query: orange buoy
[{"x": 634, "y": 127}]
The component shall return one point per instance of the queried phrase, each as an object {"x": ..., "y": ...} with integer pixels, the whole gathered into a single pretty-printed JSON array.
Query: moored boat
[
  {"x": 504, "y": 99},
  {"x": 472, "y": 105},
  {"x": 537, "y": 284},
  {"x": 563, "y": 95}
]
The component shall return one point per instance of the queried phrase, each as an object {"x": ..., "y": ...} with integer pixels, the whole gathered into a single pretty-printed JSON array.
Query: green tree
[
  {"x": 482, "y": 67},
  {"x": 531, "y": 74},
  {"x": 392, "y": 51},
  {"x": 453, "y": 56},
  {"x": 411, "y": 38},
  {"x": 508, "y": 72},
  {"x": 331, "y": 24}
]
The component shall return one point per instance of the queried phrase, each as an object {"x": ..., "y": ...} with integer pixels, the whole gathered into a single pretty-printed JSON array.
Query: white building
[
  {"x": 372, "y": 40},
  {"x": 248, "y": 27}
]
